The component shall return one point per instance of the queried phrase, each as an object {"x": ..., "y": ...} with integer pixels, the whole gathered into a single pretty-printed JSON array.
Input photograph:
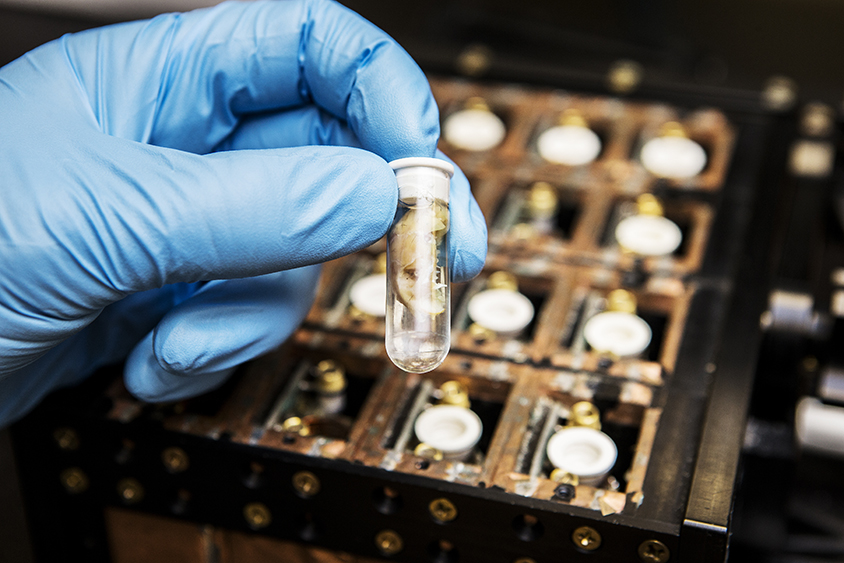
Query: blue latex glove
[{"x": 139, "y": 161}]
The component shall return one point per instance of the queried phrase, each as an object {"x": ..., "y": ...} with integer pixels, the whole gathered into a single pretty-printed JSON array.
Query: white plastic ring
[
  {"x": 474, "y": 130},
  {"x": 588, "y": 453},
  {"x": 450, "y": 429},
  {"x": 569, "y": 144},
  {"x": 648, "y": 235},
  {"x": 673, "y": 157},
  {"x": 620, "y": 334},
  {"x": 369, "y": 295},
  {"x": 501, "y": 310},
  {"x": 820, "y": 427}
]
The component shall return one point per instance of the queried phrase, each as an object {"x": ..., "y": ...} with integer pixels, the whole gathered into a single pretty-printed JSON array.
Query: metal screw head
[
  {"x": 475, "y": 60},
  {"x": 654, "y": 551},
  {"x": 66, "y": 438},
  {"x": 779, "y": 93},
  {"x": 130, "y": 490},
  {"x": 624, "y": 76},
  {"x": 388, "y": 542},
  {"x": 306, "y": 483},
  {"x": 586, "y": 538},
  {"x": 74, "y": 480},
  {"x": 443, "y": 510},
  {"x": 175, "y": 459},
  {"x": 257, "y": 515}
]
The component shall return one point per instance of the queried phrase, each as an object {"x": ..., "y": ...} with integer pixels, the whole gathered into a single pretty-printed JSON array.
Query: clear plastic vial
[{"x": 418, "y": 331}]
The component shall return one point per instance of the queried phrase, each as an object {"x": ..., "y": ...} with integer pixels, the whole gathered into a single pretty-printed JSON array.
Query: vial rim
[{"x": 423, "y": 161}]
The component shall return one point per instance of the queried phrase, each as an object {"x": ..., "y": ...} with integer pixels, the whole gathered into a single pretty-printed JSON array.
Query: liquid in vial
[{"x": 418, "y": 322}]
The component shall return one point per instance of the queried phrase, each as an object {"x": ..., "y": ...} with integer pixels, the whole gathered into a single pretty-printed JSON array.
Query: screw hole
[
  {"x": 528, "y": 527},
  {"x": 387, "y": 500},
  {"x": 308, "y": 528},
  {"x": 442, "y": 551},
  {"x": 423, "y": 464}
]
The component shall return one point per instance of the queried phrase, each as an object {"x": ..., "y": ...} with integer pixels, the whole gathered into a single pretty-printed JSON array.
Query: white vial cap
[
  {"x": 451, "y": 429},
  {"x": 620, "y": 334},
  {"x": 501, "y": 310},
  {"x": 673, "y": 157},
  {"x": 369, "y": 295},
  {"x": 588, "y": 453},
  {"x": 572, "y": 145},
  {"x": 820, "y": 427},
  {"x": 474, "y": 130},
  {"x": 648, "y": 235},
  {"x": 421, "y": 177}
]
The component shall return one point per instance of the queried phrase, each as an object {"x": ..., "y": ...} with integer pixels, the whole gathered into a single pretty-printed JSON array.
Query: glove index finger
[{"x": 183, "y": 217}]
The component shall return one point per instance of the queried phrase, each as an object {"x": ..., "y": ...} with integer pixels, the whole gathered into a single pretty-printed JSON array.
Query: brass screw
[
  {"x": 586, "y": 538},
  {"x": 380, "y": 266},
  {"x": 454, "y": 393},
  {"x": 388, "y": 542},
  {"x": 584, "y": 413},
  {"x": 66, "y": 438},
  {"x": 481, "y": 333},
  {"x": 654, "y": 551},
  {"x": 564, "y": 478},
  {"x": 130, "y": 490},
  {"x": 175, "y": 459},
  {"x": 443, "y": 510},
  {"x": 330, "y": 377},
  {"x": 622, "y": 301},
  {"x": 542, "y": 203},
  {"x": 648, "y": 204},
  {"x": 573, "y": 117},
  {"x": 74, "y": 480},
  {"x": 502, "y": 280},
  {"x": 306, "y": 483},
  {"x": 357, "y": 315},
  {"x": 257, "y": 515},
  {"x": 429, "y": 452},
  {"x": 293, "y": 424},
  {"x": 672, "y": 129}
]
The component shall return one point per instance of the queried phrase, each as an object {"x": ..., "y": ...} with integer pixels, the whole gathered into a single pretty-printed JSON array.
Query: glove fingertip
[{"x": 147, "y": 380}]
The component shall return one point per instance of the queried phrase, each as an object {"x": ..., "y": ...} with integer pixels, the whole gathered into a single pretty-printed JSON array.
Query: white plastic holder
[
  {"x": 474, "y": 130},
  {"x": 572, "y": 145},
  {"x": 588, "y": 453},
  {"x": 673, "y": 157},
  {"x": 450, "y": 429},
  {"x": 648, "y": 235},
  {"x": 503, "y": 311},
  {"x": 618, "y": 333},
  {"x": 369, "y": 295},
  {"x": 820, "y": 427}
]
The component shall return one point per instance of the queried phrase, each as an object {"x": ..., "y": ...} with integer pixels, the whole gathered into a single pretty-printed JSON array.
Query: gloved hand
[{"x": 163, "y": 197}]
